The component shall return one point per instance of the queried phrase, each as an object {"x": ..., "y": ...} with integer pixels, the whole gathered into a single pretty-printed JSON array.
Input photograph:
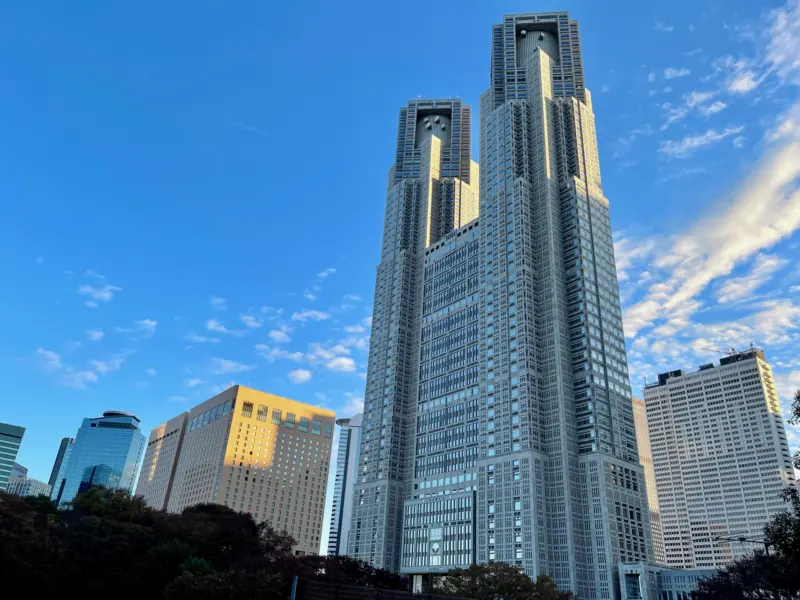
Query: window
[
  {"x": 303, "y": 424},
  {"x": 276, "y": 416},
  {"x": 247, "y": 409},
  {"x": 261, "y": 415},
  {"x": 290, "y": 417},
  {"x": 219, "y": 411},
  {"x": 225, "y": 408},
  {"x": 328, "y": 429},
  {"x": 316, "y": 427}
]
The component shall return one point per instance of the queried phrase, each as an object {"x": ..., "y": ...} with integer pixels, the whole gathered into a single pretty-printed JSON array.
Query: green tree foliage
[
  {"x": 111, "y": 545},
  {"x": 498, "y": 581},
  {"x": 762, "y": 576}
]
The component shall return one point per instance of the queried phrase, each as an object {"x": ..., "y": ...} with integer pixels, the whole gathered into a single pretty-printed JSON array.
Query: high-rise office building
[
  {"x": 160, "y": 462},
  {"x": 343, "y": 486},
  {"x": 17, "y": 470},
  {"x": 10, "y": 440},
  {"x": 24, "y": 486},
  {"x": 64, "y": 448},
  {"x": 498, "y": 422},
  {"x": 646, "y": 459},
  {"x": 107, "y": 451},
  {"x": 250, "y": 451},
  {"x": 720, "y": 455}
]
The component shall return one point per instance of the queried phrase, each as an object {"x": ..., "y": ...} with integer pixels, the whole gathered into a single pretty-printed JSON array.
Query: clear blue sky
[{"x": 157, "y": 156}]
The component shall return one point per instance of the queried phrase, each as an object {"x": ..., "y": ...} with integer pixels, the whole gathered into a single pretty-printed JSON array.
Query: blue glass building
[
  {"x": 107, "y": 451},
  {"x": 10, "y": 440}
]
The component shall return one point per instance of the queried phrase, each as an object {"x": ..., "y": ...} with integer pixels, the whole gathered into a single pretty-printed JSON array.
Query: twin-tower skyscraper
[{"x": 498, "y": 422}]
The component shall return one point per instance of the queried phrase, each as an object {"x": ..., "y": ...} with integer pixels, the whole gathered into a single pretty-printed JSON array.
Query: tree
[
  {"x": 773, "y": 576},
  {"x": 795, "y": 420},
  {"x": 108, "y": 543},
  {"x": 498, "y": 581}
]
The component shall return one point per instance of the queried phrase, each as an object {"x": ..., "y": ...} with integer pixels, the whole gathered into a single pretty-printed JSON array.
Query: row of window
[{"x": 290, "y": 421}]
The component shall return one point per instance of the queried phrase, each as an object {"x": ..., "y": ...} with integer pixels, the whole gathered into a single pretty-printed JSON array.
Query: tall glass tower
[
  {"x": 498, "y": 421},
  {"x": 346, "y": 472},
  {"x": 107, "y": 451}
]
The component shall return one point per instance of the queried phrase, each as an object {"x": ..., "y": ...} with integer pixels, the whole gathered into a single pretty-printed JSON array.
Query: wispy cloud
[
  {"x": 200, "y": 339},
  {"x": 95, "y": 335},
  {"x": 343, "y": 364},
  {"x": 217, "y": 326},
  {"x": 661, "y": 26},
  {"x": 194, "y": 382},
  {"x": 75, "y": 378},
  {"x": 51, "y": 360},
  {"x": 352, "y": 297},
  {"x": 272, "y": 354},
  {"x": 93, "y": 273},
  {"x": 250, "y": 128},
  {"x": 310, "y": 315},
  {"x": 106, "y": 367},
  {"x": 355, "y": 329},
  {"x": 99, "y": 294},
  {"x": 222, "y": 366},
  {"x": 322, "y": 275},
  {"x": 675, "y": 72},
  {"x": 713, "y": 108},
  {"x": 251, "y": 321},
  {"x": 280, "y": 336},
  {"x": 689, "y": 144},
  {"x": 299, "y": 375},
  {"x": 218, "y": 303},
  {"x": 147, "y": 326},
  {"x": 151, "y": 372},
  {"x": 738, "y": 288}
]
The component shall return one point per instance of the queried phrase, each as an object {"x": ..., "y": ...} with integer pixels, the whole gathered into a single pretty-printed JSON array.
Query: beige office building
[
  {"x": 160, "y": 460},
  {"x": 646, "y": 460},
  {"x": 720, "y": 456},
  {"x": 256, "y": 453}
]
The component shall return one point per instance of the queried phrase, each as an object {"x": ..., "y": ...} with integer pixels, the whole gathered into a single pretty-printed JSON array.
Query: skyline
[{"x": 137, "y": 297}]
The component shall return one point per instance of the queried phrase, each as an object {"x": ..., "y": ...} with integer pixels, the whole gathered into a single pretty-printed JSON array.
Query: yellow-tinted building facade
[{"x": 260, "y": 454}]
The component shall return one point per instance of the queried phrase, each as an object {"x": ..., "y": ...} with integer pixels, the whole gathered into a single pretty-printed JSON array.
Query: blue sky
[{"x": 192, "y": 193}]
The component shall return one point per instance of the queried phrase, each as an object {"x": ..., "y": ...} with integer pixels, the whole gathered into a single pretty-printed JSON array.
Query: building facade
[
  {"x": 646, "y": 459},
  {"x": 160, "y": 462},
  {"x": 107, "y": 451},
  {"x": 64, "y": 449},
  {"x": 23, "y": 486},
  {"x": 643, "y": 581},
  {"x": 10, "y": 441},
  {"x": 498, "y": 421},
  {"x": 720, "y": 455},
  {"x": 17, "y": 470},
  {"x": 343, "y": 486},
  {"x": 253, "y": 452}
]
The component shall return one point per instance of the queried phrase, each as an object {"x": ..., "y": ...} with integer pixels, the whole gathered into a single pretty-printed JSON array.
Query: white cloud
[
  {"x": 326, "y": 273},
  {"x": 93, "y": 273},
  {"x": 91, "y": 304},
  {"x": 661, "y": 26},
  {"x": 352, "y": 297},
  {"x": 629, "y": 251},
  {"x": 355, "y": 404},
  {"x": 147, "y": 326},
  {"x": 179, "y": 399},
  {"x": 738, "y": 141},
  {"x": 310, "y": 296},
  {"x": 738, "y": 288},
  {"x": 217, "y": 327},
  {"x": 222, "y": 366},
  {"x": 106, "y": 367},
  {"x": 687, "y": 145},
  {"x": 151, "y": 372},
  {"x": 318, "y": 352},
  {"x": 95, "y": 335},
  {"x": 200, "y": 339},
  {"x": 194, "y": 382},
  {"x": 355, "y": 329},
  {"x": 651, "y": 76},
  {"x": 279, "y": 336},
  {"x": 78, "y": 379},
  {"x": 713, "y": 108},
  {"x": 674, "y": 73},
  {"x": 52, "y": 360},
  {"x": 310, "y": 315},
  {"x": 299, "y": 375},
  {"x": 103, "y": 294},
  {"x": 271, "y": 311},
  {"x": 273, "y": 354},
  {"x": 218, "y": 303},
  {"x": 250, "y": 321},
  {"x": 342, "y": 364},
  {"x": 693, "y": 101},
  {"x": 762, "y": 211}
]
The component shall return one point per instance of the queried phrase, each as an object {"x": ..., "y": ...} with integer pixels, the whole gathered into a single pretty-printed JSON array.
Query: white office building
[
  {"x": 344, "y": 483},
  {"x": 720, "y": 458}
]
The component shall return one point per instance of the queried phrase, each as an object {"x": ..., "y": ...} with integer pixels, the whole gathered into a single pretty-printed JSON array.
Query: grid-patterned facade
[
  {"x": 10, "y": 441},
  {"x": 24, "y": 486},
  {"x": 720, "y": 455},
  {"x": 344, "y": 483},
  {"x": 497, "y": 363},
  {"x": 160, "y": 462},
  {"x": 261, "y": 454},
  {"x": 646, "y": 458}
]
